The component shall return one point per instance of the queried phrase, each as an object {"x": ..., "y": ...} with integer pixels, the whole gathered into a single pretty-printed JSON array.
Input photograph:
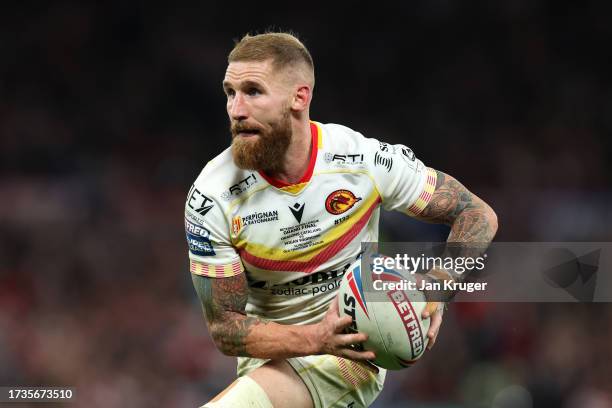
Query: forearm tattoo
[
  {"x": 473, "y": 223},
  {"x": 223, "y": 303},
  {"x": 471, "y": 220}
]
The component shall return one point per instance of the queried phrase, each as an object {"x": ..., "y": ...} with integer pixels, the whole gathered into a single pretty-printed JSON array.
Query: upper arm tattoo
[
  {"x": 224, "y": 302},
  {"x": 470, "y": 218}
]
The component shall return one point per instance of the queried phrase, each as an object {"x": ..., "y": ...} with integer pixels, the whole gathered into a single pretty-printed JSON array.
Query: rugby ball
[{"x": 391, "y": 318}]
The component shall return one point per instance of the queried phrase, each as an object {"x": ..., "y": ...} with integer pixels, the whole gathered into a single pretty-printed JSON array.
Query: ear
[{"x": 301, "y": 98}]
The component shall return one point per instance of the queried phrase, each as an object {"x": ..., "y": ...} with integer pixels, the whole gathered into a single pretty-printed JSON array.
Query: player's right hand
[{"x": 333, "y": 339}]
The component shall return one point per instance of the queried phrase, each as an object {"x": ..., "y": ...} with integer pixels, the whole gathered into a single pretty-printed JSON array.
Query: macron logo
[{"x": 297, "y": 210}]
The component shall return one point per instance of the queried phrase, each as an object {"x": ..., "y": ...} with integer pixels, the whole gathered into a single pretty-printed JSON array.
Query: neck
[{"x": 297, "y": 157}]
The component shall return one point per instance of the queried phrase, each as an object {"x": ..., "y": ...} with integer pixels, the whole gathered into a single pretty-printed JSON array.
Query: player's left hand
[{"x": 435, "y": 310}]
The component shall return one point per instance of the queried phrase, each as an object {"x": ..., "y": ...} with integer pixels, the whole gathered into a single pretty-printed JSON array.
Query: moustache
[{"x": 245, "y": 128}]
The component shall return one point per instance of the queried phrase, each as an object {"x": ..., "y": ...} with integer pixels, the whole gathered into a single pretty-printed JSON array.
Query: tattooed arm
[
  {"x": 471, "y": 219},
  {"x": 473, "y": 225},
  {"x": 236, "y": 334}
]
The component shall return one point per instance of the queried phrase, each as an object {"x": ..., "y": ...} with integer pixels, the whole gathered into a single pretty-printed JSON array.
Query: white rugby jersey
[{"x": 296, "y": 241}]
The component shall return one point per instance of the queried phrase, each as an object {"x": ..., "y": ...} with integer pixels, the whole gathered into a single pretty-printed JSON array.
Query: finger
[
  {"x": 434, "y": 328},
  {"x": 429, "y": 309},
  {"x": 436, "y": 321},
  {"x": 356, "y": 355},
  {"x": 350, "y": 339},
  {"x": 432, "y": 336},
  {"x": 342, "y": 323}
]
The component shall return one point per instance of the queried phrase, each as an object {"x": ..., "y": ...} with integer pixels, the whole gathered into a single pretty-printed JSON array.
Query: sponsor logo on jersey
[
  {"x": 194, "y": 217},
  {"x": 198, "y": 239},
  {"x": 386, "y": 162},
  {"x": 196, "y": 230},
  {"x": 312, "y": 279},
  {"x": 297, "y": 210},
  {"x": 236, "y": 225},
  {"x": 258, "y": 217},
  {"x": 344, "y": 158},
  {"x": 385, "y": 147},
  {"x": 200, "y": 247},
  {"x": 199, "y": 202},
  {"x": 240, "y": 187},
  {"x": 408, "y": 154},
  {"x": 340, "y": 201}
]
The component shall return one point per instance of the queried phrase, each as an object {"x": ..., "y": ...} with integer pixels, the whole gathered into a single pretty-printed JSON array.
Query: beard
[{"x": 266, "y": 149}]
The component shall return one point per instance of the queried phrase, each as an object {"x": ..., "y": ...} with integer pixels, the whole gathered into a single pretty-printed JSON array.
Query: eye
[{"x": 253, "y": 91}]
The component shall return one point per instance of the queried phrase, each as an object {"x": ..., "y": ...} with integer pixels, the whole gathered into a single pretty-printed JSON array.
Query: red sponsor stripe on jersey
[{"x": 310, "y": 266}]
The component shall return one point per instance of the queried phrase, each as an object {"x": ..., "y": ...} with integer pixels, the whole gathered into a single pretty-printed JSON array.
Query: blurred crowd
[{"x": 109, "y": 111}]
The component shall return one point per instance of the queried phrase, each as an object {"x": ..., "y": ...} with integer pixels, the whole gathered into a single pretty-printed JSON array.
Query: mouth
[{"x": 246, "y": 132}]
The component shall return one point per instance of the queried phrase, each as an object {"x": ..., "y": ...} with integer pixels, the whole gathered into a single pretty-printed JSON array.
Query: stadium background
[{"x": 109, "y": 111}]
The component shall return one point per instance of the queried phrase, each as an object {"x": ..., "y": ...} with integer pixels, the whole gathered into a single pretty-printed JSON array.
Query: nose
[{"x": 237, "y": 107}]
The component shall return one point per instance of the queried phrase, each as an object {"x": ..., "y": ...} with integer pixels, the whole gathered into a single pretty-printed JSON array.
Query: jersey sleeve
[
  {"x": 210, "y": 251},
  {"x": 403, "y": 181}
]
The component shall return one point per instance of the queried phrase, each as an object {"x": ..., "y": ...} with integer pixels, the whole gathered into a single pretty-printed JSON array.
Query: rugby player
[{"x": 275, "y": 220}]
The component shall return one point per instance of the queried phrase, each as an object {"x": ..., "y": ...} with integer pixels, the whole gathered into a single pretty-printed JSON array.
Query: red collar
[{"x": 311, "y": 163}]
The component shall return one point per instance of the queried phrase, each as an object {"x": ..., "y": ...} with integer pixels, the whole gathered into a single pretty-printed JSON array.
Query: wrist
[
  {"x": 441, "y": 288},
  {"x": 312, "y": 337},
  {"x": 441, "y": 275}
]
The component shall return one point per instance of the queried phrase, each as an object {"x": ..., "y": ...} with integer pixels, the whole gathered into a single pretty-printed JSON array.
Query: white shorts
[{"x": 333, "y": 382}]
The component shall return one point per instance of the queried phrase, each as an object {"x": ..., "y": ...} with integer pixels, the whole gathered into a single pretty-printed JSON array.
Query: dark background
[{"x": 108, "y": 112}]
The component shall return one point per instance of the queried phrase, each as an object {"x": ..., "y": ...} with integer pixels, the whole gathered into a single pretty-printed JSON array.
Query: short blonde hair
[{"x": 284, "y": 49}]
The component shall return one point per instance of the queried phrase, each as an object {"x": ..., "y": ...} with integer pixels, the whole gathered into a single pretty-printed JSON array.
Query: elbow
[
  {"x": 220, "y": 338},
  {"x": 225, "y": 349}
]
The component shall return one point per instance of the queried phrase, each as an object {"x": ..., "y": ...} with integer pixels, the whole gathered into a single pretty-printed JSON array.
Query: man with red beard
[{"x": 275, "y": 221}]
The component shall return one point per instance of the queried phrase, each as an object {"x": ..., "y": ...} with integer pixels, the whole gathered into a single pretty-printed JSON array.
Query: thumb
[
  {"x": 429, "y": 309},
  {"x": 339, "y": 321}
]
